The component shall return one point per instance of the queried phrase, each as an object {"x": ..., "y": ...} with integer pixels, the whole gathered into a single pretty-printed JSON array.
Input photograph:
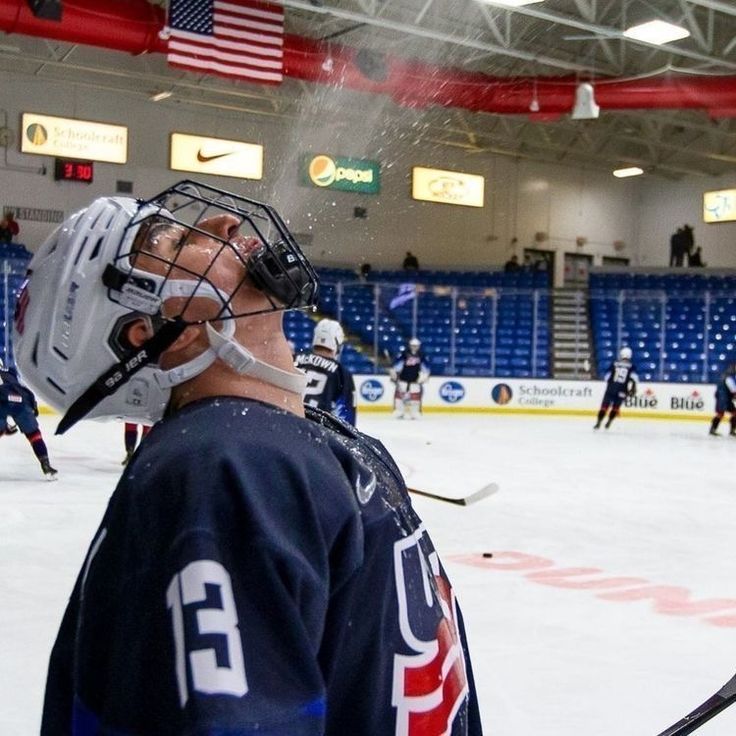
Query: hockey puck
[{"x": 488, "y": 554}]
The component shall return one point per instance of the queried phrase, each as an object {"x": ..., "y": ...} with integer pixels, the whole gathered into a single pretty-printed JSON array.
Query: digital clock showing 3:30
[{"x": 72, "y": 170}]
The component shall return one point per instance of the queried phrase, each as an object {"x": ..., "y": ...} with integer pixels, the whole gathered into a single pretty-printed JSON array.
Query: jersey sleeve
[{"x": 346, "y": 402}]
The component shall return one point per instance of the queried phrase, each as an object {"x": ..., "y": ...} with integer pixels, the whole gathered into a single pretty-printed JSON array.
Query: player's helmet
[
  {"x": 625, "y": 354},
  {"x": 328, "y": 334},
  {"x": 83, "y": 288},
  {"x": 414, "y": 344}
]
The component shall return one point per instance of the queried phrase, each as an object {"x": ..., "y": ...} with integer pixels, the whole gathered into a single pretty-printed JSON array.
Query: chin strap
[{"x": 239, "y": 358}]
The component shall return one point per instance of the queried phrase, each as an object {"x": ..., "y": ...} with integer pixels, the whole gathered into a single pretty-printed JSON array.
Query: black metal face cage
[{"x": 276, "y": 266}]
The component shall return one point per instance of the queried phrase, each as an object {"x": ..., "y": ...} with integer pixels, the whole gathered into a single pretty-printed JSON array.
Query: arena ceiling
[{"x": 543, "y": 50}]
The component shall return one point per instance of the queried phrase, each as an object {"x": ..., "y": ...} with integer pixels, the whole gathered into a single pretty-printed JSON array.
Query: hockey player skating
[
  {"x": 621, "y": 380},
  {"x": 725, "y": 400},
  {"x": 409, "y": 372},
  {"x": 19, "y": 403},
  {"x": 256, "y": 570},
  {"x": 130, "y": 437},
  {"x": 330, "y": 384}
]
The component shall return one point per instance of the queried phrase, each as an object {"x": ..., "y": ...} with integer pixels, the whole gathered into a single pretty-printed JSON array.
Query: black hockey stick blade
[
  {"x": 704, "y": 712},
  {"x": 479, "y": 495}
]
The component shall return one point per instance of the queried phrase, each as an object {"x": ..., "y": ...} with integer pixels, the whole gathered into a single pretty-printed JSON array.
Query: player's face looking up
[{"x": 214, "y": 251}]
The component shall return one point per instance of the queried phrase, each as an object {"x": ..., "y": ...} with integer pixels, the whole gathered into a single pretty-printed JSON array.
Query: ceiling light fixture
[
  {"x": 585, "y": 104},
  {"x": 657, "y": 32},
  {"x": 534, "y": 104},
  {"x": 510, "y": 3},
  {"x": 161, "y": 96},
  {"x": 630, "y": 171}
]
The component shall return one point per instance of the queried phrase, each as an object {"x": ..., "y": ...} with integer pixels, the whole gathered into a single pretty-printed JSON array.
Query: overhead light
[
  {"x": 328, "y": 65},
  {"x": 510, "y": 3},
  {"x": 161, "y": 96},
  {"x": 630, "y": 171},
  {"x": 656, "y": 32},
  {"x": 585, "y": 105}
]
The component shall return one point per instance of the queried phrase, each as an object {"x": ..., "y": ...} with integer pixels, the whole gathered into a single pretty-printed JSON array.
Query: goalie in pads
[{"x": 409, "y": 372}]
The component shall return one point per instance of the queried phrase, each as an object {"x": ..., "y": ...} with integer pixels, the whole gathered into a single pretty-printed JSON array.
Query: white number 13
[{"x": 187, "y": 587}]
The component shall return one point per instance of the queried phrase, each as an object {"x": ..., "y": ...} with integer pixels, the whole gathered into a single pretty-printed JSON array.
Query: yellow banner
[
  {"x": 448, "y": 187},
  {"x": 71, "y": 138},
  {"x": 216, "y": 156},
  {"x": 719, "y": 206}
]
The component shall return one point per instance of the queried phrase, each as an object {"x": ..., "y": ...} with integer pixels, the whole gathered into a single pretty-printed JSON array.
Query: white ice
[{"x": 650, "y": 500}]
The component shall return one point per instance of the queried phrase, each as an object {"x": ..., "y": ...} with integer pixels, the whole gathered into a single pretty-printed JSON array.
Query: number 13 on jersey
[{"x": 207, "y": 675}]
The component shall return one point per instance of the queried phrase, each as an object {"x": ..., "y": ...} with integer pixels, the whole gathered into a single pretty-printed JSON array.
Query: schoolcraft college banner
[{"x": 541, "y": 396}]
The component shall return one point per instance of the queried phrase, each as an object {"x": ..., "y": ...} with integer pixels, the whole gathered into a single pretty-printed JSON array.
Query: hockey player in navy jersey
[
  {"x": 19, "y": 403},
  {"x": 621, "y": 380},
  {"x": 409, "y": 373},
  {"x": 330, "y": 384},
  {"x": 257, "y": 572},
  {"x": 725, "y": 400}
]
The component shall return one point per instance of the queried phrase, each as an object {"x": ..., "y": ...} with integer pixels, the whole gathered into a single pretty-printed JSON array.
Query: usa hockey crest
[{"x": 430, "y": 685}]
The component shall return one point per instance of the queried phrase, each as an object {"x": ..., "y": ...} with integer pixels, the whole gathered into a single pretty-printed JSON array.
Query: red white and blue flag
[{"x": 239, "y": 38}]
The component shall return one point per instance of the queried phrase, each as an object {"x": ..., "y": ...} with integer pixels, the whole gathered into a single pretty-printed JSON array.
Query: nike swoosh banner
[
  {"x": 238, "y": 38},
  {"x": 216, "y": 156}
]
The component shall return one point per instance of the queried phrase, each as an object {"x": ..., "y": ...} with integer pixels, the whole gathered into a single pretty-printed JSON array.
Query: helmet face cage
[{"x": 275, "y": 264}]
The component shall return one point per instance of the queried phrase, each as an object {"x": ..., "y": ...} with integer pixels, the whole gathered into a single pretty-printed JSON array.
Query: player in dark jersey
[
  {"x": 257, "y": 571},
  {"x": 330, "y": 384},
  {"x": 621, "y": 380},
  {"x": 409, "y": 372},
  {"x": 130, "y": 438},
  {"x": 725, "y": 400},
  {"x": 19, "y": 403}
]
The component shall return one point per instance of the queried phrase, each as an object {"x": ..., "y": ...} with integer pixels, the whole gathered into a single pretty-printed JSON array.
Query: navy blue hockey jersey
[
  {"x": 13, "y": 392},
  {"x": 257, "y": 573},
  {"x": 409, "y": 365},
  {"x": 330, "y": 386},
  {"x": 619, "y": 377}
]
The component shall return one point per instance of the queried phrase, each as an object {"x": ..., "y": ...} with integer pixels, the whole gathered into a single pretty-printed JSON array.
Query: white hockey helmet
[
  {"x": 83, "y": 288},
  {"x": 328, "y": 333},
  {"x": 625, "y": 353},
  {"x": 414, "y": 344}
]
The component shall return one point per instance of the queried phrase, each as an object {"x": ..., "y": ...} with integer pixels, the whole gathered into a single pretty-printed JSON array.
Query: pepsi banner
[{"x": 336, "y": 172}]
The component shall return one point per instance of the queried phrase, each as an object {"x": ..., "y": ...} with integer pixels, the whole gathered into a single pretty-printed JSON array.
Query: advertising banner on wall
[
  {"x": 532, "y": 396},
  {"x": 337, "y": 172},
  {"x": 71, "y": 138},
  {"x": 216, "y": 156},
  {"x": 719, "y": 206},
  {"x": 447, "y": 187}
]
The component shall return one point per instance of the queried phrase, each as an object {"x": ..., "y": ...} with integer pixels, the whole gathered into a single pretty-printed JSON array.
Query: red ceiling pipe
[{"x": 134, "y": 26}]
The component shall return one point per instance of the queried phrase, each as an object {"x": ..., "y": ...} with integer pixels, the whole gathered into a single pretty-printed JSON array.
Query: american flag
[{"x": 240, "y": 38}]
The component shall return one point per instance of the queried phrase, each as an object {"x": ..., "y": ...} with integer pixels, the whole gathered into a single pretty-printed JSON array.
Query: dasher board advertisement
[
  {"x": 719, "y": 206},
  {"x": 71, "y": 138},
  {"x": 217, "y": 156},
  {"x": 447, "y": 187}
]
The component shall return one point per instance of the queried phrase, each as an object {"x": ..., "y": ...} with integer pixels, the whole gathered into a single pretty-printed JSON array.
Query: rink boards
[{"x": 548, "y": 396}]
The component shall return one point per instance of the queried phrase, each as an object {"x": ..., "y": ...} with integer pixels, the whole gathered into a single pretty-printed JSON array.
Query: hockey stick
[
  {"x": 705, "y": 711},
  {"x": 479, "y": 495}
]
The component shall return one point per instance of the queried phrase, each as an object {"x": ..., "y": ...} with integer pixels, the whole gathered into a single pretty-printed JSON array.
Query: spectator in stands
[
  {"x": 5, "y": 233},
  {"x": 528, "y": 264},
  {"x": 364, "y": 271},
  {"x": 411, "y": 263},
  {"x": 512, "y": 265},
  {"x": 12, "y": 223},
  {"x": 696, "y": 258},
  {"x": 688, "y": 241},
  {"x": 677, "y": 248}
]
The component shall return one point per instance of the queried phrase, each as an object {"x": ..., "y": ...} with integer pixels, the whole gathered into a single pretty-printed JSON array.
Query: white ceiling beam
[
  {"x": 694, "y": 27},
  {"x": 503, "y": 38}
]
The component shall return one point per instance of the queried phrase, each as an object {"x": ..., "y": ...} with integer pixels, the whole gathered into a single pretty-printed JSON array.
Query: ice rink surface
[{"x": 607, "y": 609}]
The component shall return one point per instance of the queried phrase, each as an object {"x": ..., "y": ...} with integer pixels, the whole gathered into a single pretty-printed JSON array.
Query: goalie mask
[{"x": 119, "y": 260}]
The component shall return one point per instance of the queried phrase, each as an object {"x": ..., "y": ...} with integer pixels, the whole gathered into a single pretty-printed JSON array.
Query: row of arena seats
[
  {"x": 681, "y": 327},
  {"x": 484, "y": 279}
]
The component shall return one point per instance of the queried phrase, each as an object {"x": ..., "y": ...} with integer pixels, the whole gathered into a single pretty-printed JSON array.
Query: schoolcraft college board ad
[{"x": 532, "y": 396}]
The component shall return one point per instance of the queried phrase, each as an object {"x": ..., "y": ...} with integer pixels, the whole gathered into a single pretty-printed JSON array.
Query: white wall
[
  {"x": 522, "y": 197},
  {"x": 665, "y": 207}
]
